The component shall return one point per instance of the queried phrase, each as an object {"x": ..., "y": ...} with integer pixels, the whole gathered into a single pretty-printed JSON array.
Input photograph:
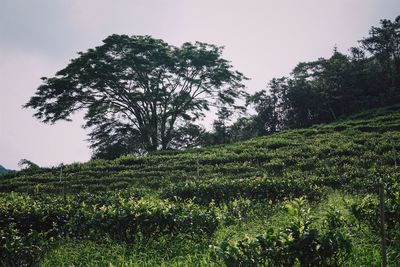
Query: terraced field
[{"x": 305, "y": 197}]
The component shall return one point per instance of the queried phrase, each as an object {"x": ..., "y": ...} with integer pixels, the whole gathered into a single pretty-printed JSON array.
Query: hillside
[
  {"x": 334, "y": 154},
  {"x": 3, "y": 170},
  {"x": 189, "y": 200}
]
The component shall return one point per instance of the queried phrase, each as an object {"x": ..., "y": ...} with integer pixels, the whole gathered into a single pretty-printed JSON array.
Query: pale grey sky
[{"x": 262, "y": 38}]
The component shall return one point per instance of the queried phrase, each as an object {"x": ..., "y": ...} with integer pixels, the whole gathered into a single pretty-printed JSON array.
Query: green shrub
[
  {"x": 29, "y": 225},
  {"x": 297, "y": 244},
  {"x": 259, "y": 188}
]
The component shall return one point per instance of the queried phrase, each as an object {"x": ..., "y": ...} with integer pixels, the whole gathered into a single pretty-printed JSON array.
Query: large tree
[
  {"x": 138, "y": 91},
  {"x": 384, "y": 44}
]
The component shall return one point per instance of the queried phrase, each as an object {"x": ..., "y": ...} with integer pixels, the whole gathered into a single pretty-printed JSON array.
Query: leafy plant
[{"x": 299, "y": 243}]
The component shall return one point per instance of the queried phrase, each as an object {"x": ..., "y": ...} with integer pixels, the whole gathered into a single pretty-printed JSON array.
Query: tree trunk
[{"x": 332, "y": 113}]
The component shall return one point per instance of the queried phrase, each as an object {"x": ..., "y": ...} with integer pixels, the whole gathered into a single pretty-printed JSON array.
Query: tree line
[
  {"x": 141, "y": 94},
  {"x": 325, "y": 90}
]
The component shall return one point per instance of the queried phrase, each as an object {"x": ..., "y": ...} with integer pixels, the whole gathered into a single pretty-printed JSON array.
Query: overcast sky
[{"x": 263, "y": 39}]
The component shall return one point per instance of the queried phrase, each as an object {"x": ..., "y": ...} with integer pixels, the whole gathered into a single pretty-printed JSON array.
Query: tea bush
[
  {"x": 28, "y": 225},
  {"x": 299, "y": 243},
  {"x": 225, "y": 190}
]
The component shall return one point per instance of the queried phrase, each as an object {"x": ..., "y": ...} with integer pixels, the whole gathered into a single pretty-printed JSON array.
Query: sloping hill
[
  {"x": 3, "y": 170},
  {"x": 337, "y": 155},
  {"x": 197, "y": 207}
]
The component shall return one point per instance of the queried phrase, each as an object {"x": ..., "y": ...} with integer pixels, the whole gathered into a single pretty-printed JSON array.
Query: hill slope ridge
[{"x": 338, "y": 153}]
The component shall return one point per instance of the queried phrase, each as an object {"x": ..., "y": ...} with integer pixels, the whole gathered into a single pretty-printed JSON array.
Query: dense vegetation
[
  {"x": 299, "y": 197},
  {"x": 294, "y": 197}
]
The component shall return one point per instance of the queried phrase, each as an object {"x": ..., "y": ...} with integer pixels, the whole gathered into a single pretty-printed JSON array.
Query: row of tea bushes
[
  {"x": 312, "y": 151},
  {"x": 29, "y": 224},
  {"x": 258, "y": 188}
]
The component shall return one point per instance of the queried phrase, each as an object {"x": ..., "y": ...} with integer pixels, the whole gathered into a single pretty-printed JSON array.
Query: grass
[{"x": 164, "y": 251}]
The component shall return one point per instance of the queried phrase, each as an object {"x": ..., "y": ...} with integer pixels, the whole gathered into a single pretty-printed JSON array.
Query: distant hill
[{"x": 3, "y": 170}]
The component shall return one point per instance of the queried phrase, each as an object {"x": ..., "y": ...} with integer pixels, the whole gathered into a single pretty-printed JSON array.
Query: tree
[
  {"x": 111, "y": 139},
  {"x": 384, "y": 44},
  {"x": 188, "y": 136},
  {"x": 324, "y": 90},
  {"x": 27, "y": 164},
  {"x": 137, "y": 91},
  {"x": 268, "y": 105},
  {"x": 221, "y": 134},
  {"x": 243, "y": 128},
  {"x": 329, "y": 81}
]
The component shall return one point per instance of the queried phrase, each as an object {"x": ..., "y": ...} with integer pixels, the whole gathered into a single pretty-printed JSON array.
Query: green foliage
[
  {"x": 28, "y": 225},
  {"x": 297, "y": 244},
  {"x": 21, "y": 249},
  {"x": 384, "y": 42},
  {"x": 312, "y": 155},
  {"x": 141, "y": 94},
  {"x": 239, "y": 185},
  {"x": 24, "y": 163},
  {"x": 225, "y": 190},
  {"x": 367, "y": 210},
  {"x": 325, "y": 90}
]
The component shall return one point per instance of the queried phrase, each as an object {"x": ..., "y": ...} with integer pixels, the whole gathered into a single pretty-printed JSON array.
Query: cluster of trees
[
  {"x": 324, "y": 90},
  {"x": 141, "y": 94}
]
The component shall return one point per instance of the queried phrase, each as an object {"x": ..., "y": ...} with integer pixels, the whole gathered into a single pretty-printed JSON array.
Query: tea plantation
[{"x": 304, "y": 197}]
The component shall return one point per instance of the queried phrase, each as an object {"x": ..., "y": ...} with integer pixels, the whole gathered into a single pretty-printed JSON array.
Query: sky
[{"x": 262, "y": 38}]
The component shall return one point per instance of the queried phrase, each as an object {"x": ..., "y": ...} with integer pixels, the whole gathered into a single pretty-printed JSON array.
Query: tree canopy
[
  {"x": 324, "y": 90},
  {"x": 138, "y": 92}
]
